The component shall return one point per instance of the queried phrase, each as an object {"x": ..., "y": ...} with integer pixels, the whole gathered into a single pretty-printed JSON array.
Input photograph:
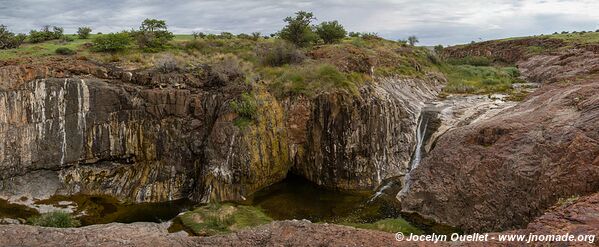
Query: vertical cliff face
[
  {"x": 148, "y": 136},
  {"x": 356, "y": 141},
  {"x": 71, "y": 136}
]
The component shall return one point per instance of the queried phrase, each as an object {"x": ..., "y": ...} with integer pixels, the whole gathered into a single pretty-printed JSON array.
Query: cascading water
[
  {"x": 417, "y": 156},
  {"x": 421, "y": 131},
  {"x": 420, "y": 135}
]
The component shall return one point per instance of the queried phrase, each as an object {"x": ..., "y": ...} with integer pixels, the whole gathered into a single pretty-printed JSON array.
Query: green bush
[
  {"x": 279, "y": 53},
  {"x": 246, "y": 106},
  {"x": 226, "y": 35},
  {"x": 197, "y": 35},
  {"x": 83, "y": 32},
  {"x": 65, "y": 51},
  {"x": 45, "y": 34},
  {"x": 331, "y": 32},
  {"x": 66, "y": 39},
  {"x": 298, "y": 30},
  {"x": 59, "y": 219},
  {"x": 9, "y": 40},
  {"x": 112, "y": 42}
]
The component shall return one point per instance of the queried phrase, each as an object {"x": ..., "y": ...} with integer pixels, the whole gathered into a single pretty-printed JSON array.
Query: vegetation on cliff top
[{"x": 303, "y": 58}]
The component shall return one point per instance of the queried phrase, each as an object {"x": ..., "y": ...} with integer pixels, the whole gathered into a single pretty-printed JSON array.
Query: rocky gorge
[
  {"x": 478, "y": 163},
  {"x": 73, "y": 127}
]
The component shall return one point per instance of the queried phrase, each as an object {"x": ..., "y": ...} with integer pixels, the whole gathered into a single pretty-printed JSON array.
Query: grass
[
  {"x": 387, "y": 225},
  {"x": 567, "y": 201},
  {"x": 580, "y": 38},
  {"x": 216, "y": 219},
  {"x": 311, "y": 79},
  {"x": 470, "y": 79},
  {"x": 59, "y": 219},
  {"x": 247, "y": 109}
]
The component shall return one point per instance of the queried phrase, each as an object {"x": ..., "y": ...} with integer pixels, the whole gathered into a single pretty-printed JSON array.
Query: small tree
[
  {"x": 298, "y": 30},
  {"x": 256, "y": 36},
  {"x": 438, "y": 49},
  {"x": 83, "y": 32},
  {"x": 153, "y": 34},
  {"x": 331, "y": 32},
  {"x": 412, "y": 40},
  {"x": 57, "y": 32},
  {"x": 9, "y": 40},
  {"x": 197, "y": 35},
  {"x": 226, "y": 35}
]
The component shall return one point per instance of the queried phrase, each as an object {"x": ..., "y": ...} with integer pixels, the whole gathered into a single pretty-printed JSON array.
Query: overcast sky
[{"x": 434, "y": 22}]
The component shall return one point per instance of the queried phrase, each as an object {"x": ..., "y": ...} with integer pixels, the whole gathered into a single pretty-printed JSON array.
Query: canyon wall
[{"x": 69, "y": 127}]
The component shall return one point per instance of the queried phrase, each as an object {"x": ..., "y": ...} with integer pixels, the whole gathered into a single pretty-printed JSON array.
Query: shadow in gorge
[{"x": 298, "y": 198}]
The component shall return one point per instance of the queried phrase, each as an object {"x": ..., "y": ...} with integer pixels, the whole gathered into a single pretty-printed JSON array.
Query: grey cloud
[{"x": 434, "y": 21}]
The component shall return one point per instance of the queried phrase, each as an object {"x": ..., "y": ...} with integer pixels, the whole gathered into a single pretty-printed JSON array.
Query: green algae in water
[
  {"x": 104, "y": 209},
  {"x": 298, "y": 198},
  {"x": 15, "y": 211}
]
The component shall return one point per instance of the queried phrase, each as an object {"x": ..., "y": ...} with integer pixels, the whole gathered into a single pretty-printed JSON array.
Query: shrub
[
  {"x": 298, "y": 30},
  {"x": 256, "y": 36},
  {"x": 244, "y": 36},
  {"x": 65, "y": 51},
  {"x": 112, "y": 42},
  {"x": 330, "y": 32},
  {"x": 9, "y": 40},
  {"x": 354, "y": 34},
  {"x": 66, "y": 39},
  {"x": 168, "y": 63},
  {"x": 83, "y": 32},
  {"x": 227, "y": 68},
  {"x": 197, "y": 35},
  {"x": 152, "y": 35},
  {"x": 57, "y": 32},
  {"x": 45, "y": 34},
  {"x": 59, "y": 219},
  {"x": 371, "y": 36},
  {"x": 196, "y": 45},
  {"x": 438, "y": 49},
  {"x": 279, "y": 53},
  {"x": 226, "y": 35},
  {"x": 246, "y": 106}
]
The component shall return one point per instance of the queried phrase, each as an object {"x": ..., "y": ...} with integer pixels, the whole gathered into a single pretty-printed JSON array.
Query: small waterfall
[
  {"x": 420, "y": 135},
  {"x": 417, "y": 156}
]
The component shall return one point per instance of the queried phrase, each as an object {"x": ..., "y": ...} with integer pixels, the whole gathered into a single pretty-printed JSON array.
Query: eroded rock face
[
  {"x": 355, "y": 142},
  {"x": 154, "y": 136},
  {"x": 136, "y": 143},
  {"x": 575, "y": 217},
  {"x": 501, "y": 172}
]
